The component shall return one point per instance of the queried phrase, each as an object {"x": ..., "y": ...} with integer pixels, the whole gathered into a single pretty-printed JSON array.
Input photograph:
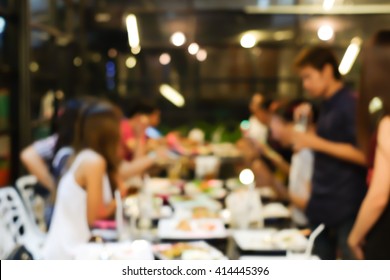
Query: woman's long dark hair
[
  {"x": 374, "y": 83},
  {"x": 98, "y": 129},
  {"x": 67, "y": 118}
]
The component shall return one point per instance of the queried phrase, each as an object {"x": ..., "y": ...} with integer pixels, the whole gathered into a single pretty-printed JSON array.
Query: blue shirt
[{"x": 338, "y": 186}]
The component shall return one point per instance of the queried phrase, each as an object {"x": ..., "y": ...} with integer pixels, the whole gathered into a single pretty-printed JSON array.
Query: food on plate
[
  {"x": 184, "y": 225},
  {"x": 213, "y": 188},
  {"x": 203, "y": 212},
  {"x": 176, "y": 250},
  {"x": 207, "y": 226}
]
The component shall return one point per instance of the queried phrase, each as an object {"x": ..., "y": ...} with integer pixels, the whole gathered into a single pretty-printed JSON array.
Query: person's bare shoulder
[{"x": 93, "y": 161}]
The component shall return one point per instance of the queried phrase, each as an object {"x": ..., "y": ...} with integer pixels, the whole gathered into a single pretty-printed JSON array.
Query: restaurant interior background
[{"x": 54, "y": 49}]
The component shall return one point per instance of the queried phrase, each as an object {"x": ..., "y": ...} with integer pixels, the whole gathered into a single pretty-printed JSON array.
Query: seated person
[{"x": 46, "y": 159}]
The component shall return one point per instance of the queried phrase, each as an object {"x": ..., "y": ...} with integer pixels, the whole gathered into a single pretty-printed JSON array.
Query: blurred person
[
  {"x": 282, "y": 128},
  {"x": 369, "y": 238},
  {"x": 338, "y": 184},
  {"x": 259, "y": 119},
  {"x": 46, "y": 159},
  {"x": 140, "y": 152},
  {"x": 133, "y": 127},
  {"x": 256, "y": 142},
  {"x": 154, "y": 120},
  {"x": 86, "y": 191}
]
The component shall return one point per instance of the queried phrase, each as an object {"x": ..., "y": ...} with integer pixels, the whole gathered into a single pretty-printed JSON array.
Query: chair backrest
[
  {"x": 17, "y": 222},
  {"x": 7, "y": 243},
  {"x": 25, "y": 186}
]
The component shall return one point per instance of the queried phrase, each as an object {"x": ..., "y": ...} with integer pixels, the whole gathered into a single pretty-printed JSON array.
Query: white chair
[
  {"x": 35, "y": 205},
  {"x": 18, "y": 224},
  {"x": 7, "y": 243}
]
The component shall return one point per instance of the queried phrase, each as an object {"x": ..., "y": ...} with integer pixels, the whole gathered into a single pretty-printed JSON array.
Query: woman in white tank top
[{"x": 85, "y": 192}]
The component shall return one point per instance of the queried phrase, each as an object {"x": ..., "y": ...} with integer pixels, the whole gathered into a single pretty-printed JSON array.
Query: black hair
[
  {"x": 133, "y": 106},
  {"x": 317, "y": 57}
]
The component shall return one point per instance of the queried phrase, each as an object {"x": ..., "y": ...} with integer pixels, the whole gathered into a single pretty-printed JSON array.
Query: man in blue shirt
[{"x": 338, "y": 184}]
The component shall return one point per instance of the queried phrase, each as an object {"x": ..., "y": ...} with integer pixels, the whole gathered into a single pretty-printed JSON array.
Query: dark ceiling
[{"x": 63, "y": 30}]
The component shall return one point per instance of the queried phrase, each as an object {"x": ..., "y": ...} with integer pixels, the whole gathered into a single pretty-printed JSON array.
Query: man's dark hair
[
  {"x": 133, "y": 106},
  {"x": 317, "y": 57}
]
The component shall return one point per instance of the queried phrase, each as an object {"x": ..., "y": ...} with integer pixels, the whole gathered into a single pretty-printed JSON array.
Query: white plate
[
  {"x": 136, "y": 250},
  {"x": 255, "y": 240},
  {"x": 213, "y": 188},
  {"x": 199, "y": 250},
  {"x": 275, "y": 210},
  {"x": 191, "y": 202},
  {"x": 162, "y": 186},
  {"x": 270, "y": 240},
  {"x": 198, "y": 229}
]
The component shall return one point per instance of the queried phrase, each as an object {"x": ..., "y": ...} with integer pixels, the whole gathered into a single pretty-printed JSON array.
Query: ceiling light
[
  {"x": 172, "y": 95},
  {"x": 350, "y": 56},
  {"x": 193, "y": 48},
  {"x": 136, "y": 50},
  {"x": 201, "y": 55},
  {"x": 131, "y": 61},
  {"x": 178, "y": 39},
  {"x": 132, "y": 30},
  {"x": 325, "y": 32},
  {"x": 248, "y": 41},
  {"x": 165, "y": 59},
  {"x": 328, "y": 4}
]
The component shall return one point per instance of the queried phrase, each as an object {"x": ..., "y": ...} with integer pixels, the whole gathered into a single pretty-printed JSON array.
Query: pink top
[{"x": 128, "y": 140}]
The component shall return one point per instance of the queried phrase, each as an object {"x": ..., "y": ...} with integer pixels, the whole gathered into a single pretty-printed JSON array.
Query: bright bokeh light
[
  {"x": 2, "y": 24},
  {"x": 201, "y": 55},
  {"x": 131, "y": 61},
  {"x": 193, "y": 48},
  {"x": 247, "y": 177},
  {"x": 165, "y": 59},
  {"x": 178, "y": 39},
  {"x": 328, "y": 4},
  {"x": 172, "y": 95},
  {"x": 325, "y": 32},
  {"x": 136, "y": 50},
  {"x": 132, "y": 31},
  {"x": 350, "y": 56},
  {"x": 248, "y": 41},
  {"x": 375, "y": 105}
]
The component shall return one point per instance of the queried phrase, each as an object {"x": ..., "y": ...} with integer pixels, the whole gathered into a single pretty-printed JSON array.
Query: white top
[
  {"x": 301, "y": 172},
  {"x": 69, "y": 228},
  {"x": 257, "y": 130}
]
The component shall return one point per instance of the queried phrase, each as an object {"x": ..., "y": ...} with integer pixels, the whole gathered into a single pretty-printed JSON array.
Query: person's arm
[
  {"x": 128, "y": 169},
  {"x": 37, "y": 167},
  {"x": 342, "y": 151},
  {"x": 300, "y": 201},
  {"x": 277, "y": 160},
  {"x": 95, "y": 170},
  {"x": 377, "y": 197}
]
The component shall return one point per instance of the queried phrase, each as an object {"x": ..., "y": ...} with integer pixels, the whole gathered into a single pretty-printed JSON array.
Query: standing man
[{"x": 338, "y": 184}]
